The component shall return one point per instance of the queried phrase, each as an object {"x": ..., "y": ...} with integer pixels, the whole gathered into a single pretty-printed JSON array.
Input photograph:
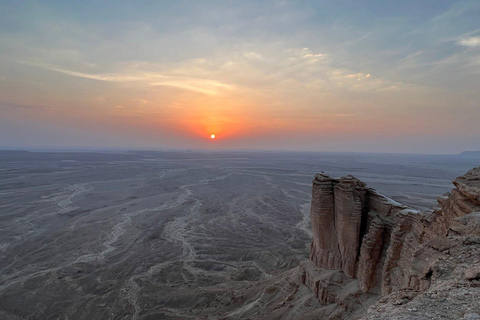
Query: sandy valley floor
[{"x": 172, "y": 235}]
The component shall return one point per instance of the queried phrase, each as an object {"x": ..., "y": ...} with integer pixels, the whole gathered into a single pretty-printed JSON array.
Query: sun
[{"x": 212, "y": 136}]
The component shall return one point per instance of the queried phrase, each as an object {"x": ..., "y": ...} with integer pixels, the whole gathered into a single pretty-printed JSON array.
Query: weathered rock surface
[
  {"x": 324, "y": 251},
  {"x": 473, "y": 273},
  {"x": 367, "y": 247}
]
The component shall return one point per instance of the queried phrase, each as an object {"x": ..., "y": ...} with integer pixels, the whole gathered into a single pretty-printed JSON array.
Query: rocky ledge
[{"x": 374, "y": 258}]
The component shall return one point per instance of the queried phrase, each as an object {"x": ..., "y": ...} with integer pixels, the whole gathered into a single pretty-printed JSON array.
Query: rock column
[{"x": 324, "y": 252}]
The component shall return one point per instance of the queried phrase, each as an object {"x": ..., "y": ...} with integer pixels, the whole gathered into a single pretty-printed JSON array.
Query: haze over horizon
[{"x": 356, "y": 76}]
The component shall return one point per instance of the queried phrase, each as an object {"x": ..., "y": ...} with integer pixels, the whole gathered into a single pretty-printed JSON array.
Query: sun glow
[{"x": 212, "y": 136}]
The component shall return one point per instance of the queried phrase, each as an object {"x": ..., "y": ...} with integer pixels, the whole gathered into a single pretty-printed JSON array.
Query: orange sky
[{"x": 258, "y": 76}]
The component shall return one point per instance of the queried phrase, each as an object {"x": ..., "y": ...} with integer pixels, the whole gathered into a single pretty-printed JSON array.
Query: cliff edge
[{"x": 374, "y": 258}]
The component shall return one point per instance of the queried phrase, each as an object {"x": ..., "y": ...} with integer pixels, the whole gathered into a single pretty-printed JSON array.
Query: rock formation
[{"x": 368, "y": 247}]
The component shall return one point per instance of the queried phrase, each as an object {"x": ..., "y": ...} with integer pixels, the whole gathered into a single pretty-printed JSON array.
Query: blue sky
[{"x": 380, "y": 76}]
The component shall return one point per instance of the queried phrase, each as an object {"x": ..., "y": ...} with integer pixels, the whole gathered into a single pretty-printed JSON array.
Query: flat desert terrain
[{"x": 173, "y": 235}]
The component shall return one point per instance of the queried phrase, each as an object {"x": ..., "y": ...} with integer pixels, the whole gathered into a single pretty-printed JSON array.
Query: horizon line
[{"x": 130, "y": 150}]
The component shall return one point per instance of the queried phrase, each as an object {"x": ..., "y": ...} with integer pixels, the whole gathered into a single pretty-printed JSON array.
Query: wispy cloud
[
  {"x": 204, "y": 86},
  {"x": 15, "y": 105},
  {"x": 308, "y": 54},
  {"x": 254, "y": 55},
  {"x": 471, "y": 42}
]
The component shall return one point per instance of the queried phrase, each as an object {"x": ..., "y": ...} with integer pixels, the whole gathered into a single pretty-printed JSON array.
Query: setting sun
[{"x": 212, "y": 136}]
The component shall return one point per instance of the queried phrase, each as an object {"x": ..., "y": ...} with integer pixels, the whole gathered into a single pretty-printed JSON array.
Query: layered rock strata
[{"x": 377, "y": 246}]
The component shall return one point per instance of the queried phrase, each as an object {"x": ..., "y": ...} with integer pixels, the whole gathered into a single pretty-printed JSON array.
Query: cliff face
[
  {"x": 352, "y": 230},
  {"x": 377, "y": 247}
]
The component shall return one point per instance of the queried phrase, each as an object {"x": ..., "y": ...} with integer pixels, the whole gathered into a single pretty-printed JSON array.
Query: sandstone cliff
[{"x": 367, "y": 247}]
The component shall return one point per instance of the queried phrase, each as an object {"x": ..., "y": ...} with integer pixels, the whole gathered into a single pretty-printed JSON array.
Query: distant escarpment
[{"x": 369, "y": 251}]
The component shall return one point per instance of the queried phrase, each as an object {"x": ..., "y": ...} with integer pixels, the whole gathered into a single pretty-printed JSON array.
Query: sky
[{"x": 349, "y": 76}]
